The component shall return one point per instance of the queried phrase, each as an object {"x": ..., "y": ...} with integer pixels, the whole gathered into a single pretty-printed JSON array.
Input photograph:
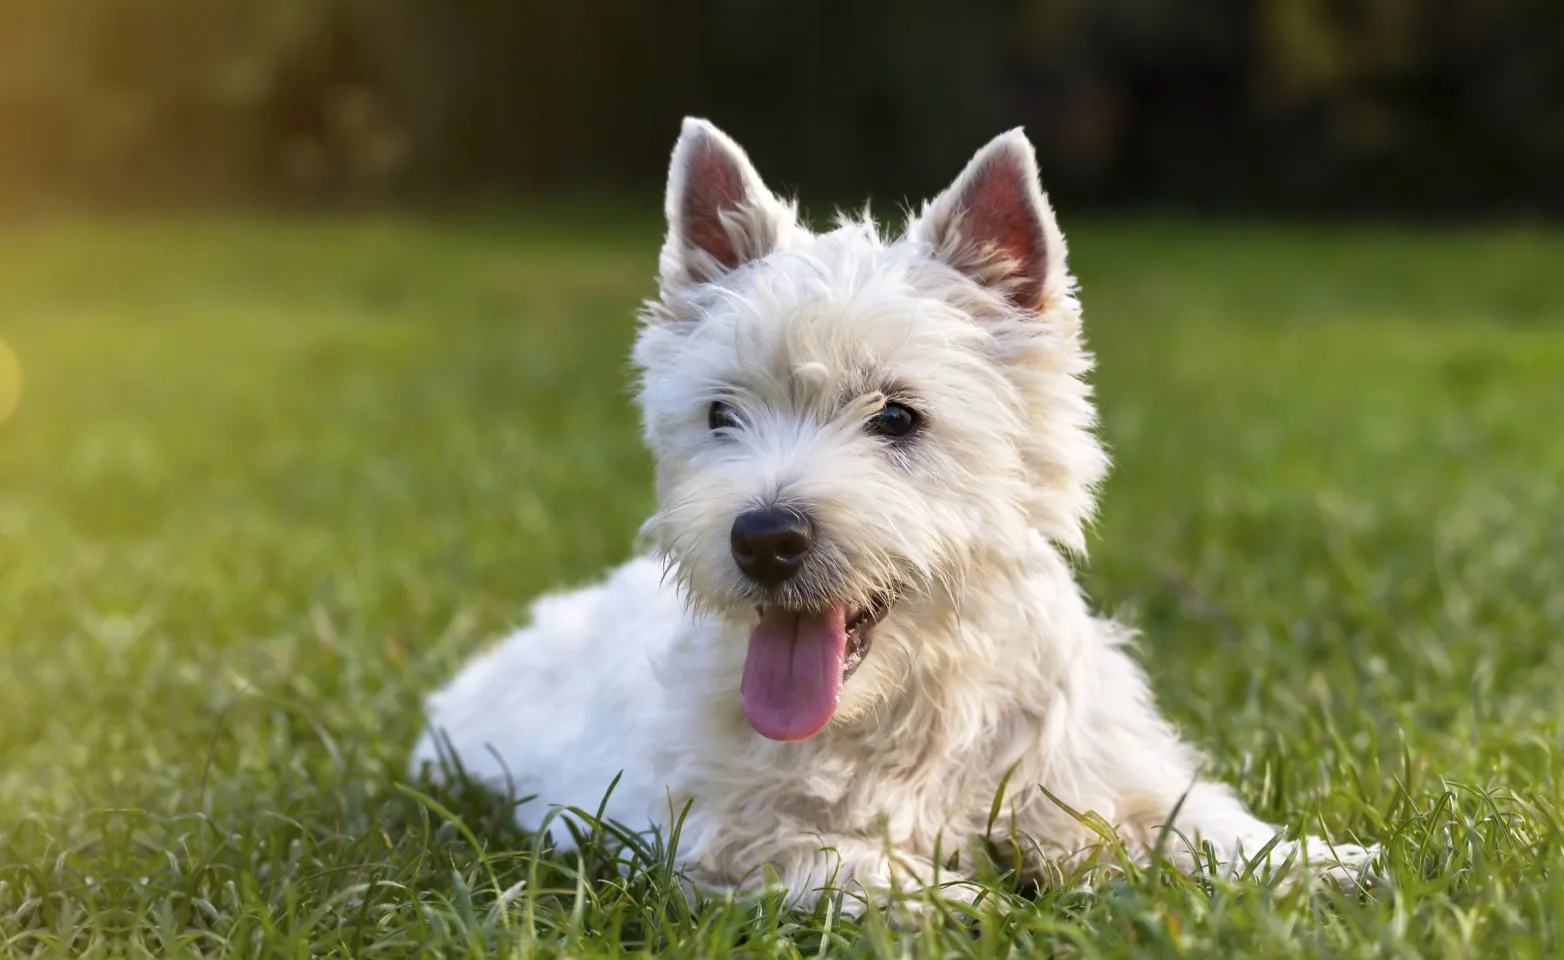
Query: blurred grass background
[
  {"x": 1434, "y": 108},
  {"x": 272, "y": 479}
]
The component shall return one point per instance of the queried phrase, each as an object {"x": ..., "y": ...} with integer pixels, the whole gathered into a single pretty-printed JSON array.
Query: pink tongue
[{"x": 793, "y": 673}]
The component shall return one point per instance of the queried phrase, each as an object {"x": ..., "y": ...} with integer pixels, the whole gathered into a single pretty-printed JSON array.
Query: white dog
[{"x": 873, "y": 458}]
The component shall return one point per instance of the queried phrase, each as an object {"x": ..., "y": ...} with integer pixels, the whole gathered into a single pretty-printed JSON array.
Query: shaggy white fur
[{"x": 769, "y": 362}]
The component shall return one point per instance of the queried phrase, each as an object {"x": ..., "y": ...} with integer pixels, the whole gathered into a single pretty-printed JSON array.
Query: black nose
[{"x": 769, "y": 545}]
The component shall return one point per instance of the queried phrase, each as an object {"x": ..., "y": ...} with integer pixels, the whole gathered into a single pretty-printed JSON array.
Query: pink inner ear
[
  {"x": 1001, "y": 214},
  {"x": 712, "y": 184}
]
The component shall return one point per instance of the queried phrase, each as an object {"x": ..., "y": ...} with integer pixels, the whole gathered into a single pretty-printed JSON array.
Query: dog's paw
[
  {"x": 1347, "y": 865},
  {"x": 963, "y": 902}
]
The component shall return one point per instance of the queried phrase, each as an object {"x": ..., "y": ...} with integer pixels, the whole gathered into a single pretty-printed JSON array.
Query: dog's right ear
[
  {"x": 994, "y": 224},
  {"x": 720, "y": 214}
]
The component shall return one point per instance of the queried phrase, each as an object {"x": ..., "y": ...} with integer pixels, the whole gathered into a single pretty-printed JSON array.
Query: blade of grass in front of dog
[
  {"x": 993, "y": 817},
  {"x": 998, "y": 801},
  {"x": 1091, "y": 821},
  {"x": 1158, "y": 850}
]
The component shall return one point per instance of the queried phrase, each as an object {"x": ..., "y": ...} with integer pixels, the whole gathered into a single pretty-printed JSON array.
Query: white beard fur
[{"x": 990, "y": 668}]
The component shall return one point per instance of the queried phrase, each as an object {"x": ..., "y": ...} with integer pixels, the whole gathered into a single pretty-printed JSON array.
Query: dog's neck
[{"x": 1012, "y": 629}]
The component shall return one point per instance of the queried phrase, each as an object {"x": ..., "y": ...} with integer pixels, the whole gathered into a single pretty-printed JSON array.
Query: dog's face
[{"x": 850, "y": 433}]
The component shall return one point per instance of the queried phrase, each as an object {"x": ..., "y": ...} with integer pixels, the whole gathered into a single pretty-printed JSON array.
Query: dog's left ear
[
  {"x": 720, "y": 214},
  {"x": 994, "y": 224}
]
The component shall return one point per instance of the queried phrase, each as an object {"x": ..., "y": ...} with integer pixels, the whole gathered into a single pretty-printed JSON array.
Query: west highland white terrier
[{"x": 874, "y": 458}]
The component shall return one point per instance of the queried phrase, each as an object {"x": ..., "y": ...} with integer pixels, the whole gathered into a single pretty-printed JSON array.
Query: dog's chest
[{"x": 911, "y": 790}]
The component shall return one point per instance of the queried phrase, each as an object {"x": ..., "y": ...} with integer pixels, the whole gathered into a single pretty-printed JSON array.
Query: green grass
[{"x": 271, "y": 481}]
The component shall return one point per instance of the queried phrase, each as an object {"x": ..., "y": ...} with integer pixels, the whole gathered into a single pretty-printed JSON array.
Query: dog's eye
[
  {"x": 894, "y": 420},
  {"x": 720, "y": 416}
]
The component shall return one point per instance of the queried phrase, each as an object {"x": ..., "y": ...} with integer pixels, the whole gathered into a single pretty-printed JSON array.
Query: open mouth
[
  {"x": 797, "y": 662},
  {"x": 860, "y": 633}
]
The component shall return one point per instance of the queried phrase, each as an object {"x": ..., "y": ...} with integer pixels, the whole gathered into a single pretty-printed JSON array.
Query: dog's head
[{"x": 851, "y": 432}]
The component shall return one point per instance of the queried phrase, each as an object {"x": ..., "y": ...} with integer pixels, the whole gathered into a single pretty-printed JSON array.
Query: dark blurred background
[{"x": 1442, "y": 109}]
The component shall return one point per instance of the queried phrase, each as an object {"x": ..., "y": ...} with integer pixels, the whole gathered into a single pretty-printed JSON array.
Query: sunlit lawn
[{"x": 270, "y": 481}]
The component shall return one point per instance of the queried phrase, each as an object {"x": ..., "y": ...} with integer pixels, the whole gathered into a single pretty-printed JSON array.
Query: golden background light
[{"x": 10, "y": 382}]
